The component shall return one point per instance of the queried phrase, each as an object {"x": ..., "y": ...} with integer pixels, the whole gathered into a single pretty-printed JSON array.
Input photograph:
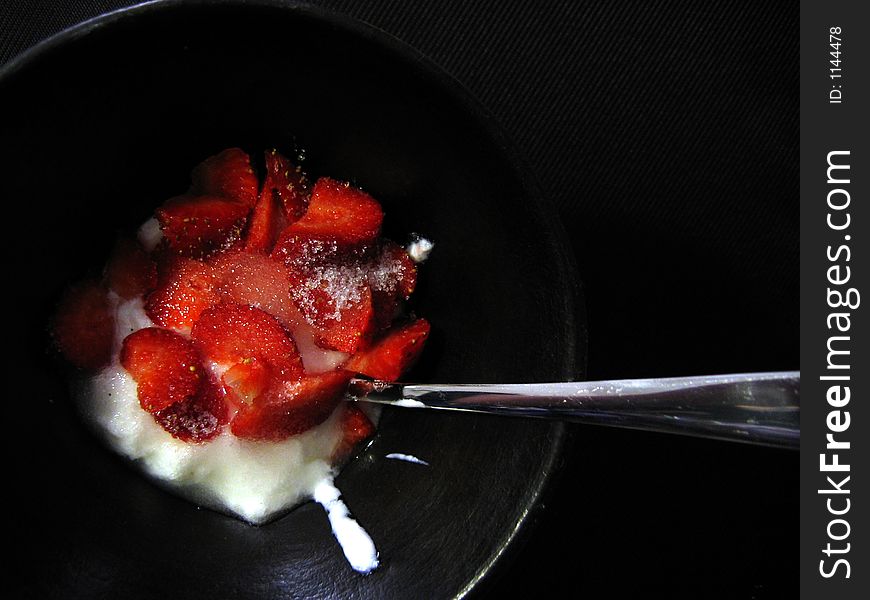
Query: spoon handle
[{"x": 757, "y": 408}]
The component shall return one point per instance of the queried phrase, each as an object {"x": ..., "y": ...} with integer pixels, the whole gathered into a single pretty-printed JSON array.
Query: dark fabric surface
[{"x": 666, "y": 135}]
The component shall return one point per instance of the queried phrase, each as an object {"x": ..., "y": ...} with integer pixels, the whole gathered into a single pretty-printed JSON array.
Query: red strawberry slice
[
  {"x": 187, "y": 289},
  {"x": 196, "y": 419},
  {"x": 130, "y": 272},
  {"x": 349, "y": 299},
  {"x": 392, "y": 277},
  {"x": 237, "y": 333},
  {"x": 385, "y": 309},
  {"x": 338, "y": 304},
  {"x": 282, "y": 201},
  {"x": 255, "y": 279},
  {"x": 392, "y": 355},
  {"x": 341, "y": 212},
  {"x": 340, "y": 218},
  {"x": 290, "y": 408},
  {"x": 246, "y": 381},
  {"x": 199, "y": 226},
  {"x": 304, "y": 254},
  {"x": 356, "y": 428},
  {"x": 287, "y": 182},
  {"x": 395, "y": 270},
  {"x": 84, "y": 325},
  {"x": 351, "y": 329},
  {"x": 227, "y": 175},
  {"x": 165, "y": 365},
  {"x": 267, "y": 221}
]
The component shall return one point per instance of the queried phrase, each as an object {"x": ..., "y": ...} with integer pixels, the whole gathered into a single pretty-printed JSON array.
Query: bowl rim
[{"x": 573, "y": 354}]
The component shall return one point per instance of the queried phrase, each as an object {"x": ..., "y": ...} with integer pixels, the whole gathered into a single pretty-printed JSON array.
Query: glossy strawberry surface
[
  {"x": 166, "y": 366},
  {"x": 393, "y": 354},
  {"x": 84, "y": 325},
  {"x": 226, "y": 175}
]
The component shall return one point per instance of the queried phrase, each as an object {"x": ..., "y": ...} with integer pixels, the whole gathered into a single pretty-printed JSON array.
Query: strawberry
[
  {"x": 356, "y": 427},
  {"x": 185, "y": 290},
  {"x": 393, "y": 354},
  {"x": 338, "y": 304},
  {"x": 286, "y": 181},
  {"x": 165, "y": 365},
  {"x": 341, "y": 212},
  {"x": 198, "y": 418},
  {"x": 290, "y": 408},
  {"x": 246, "y": 381},
  {"x": 350, "y": 298},
  {"x": 199, "y": 226},
  {"x": 255, "y": 279},
  {"x": 339, "y": 218},
  {"x": 392, "y": 277},
  {"x": 283, "y": 199},
  {"x": 394, "y": 271},
  {"x": 84, "y": 325},
  {"x": 385, "y": 308},
  {"x": 237, "y": 333},
  {"x": 351, "y": 329},
  {"x": 304, "y": 254},
  {"x": 267, "y": 220},
  {"x": 130, "y": 272},
  {"x": 226, "y": 175}
]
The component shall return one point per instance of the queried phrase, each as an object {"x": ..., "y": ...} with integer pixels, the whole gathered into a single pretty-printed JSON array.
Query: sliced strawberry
[
  {"x": 165, "y": 365},
  {"x": 267, "y": 221},
  {"x": 394, "y": 271},
  {"x": 282, "y": 201},
  {"x": 286, "y": 181},
  {"x": 246, "y": 381},
  {"x": 392, "y": 355},
  {"x": 392, "y": 277},
  {"x": 356, "y": 428},
  {"x": 350, "y": 298},
  {"x": 385, "y": 308},
  {"x": 227, "y": 175},
  {"x": 130, "y": 272},
  {"x": 251, "y": 278},
  {"x": 187, "y": 289},
  {"x": 198, "y": 418},
  {"x": 84, "y": 325},
  {"x": 237, "y": 333},
  {"x": 290, "y": 408},
  {"x": 341, "y": 212},
  {"x": 304, "y": 254},
  {"x": 340, "y": 218},
  {"x": 351, "y": 329},
  {"x": 199, "y": 226},
  {"x": 337, "y": 302}
]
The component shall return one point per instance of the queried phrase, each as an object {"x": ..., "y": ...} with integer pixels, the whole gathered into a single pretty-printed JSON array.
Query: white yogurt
[
  {"x": 150, "y": 234},
  {"x": 407, "y": 458},
  {"x": 358, "y": 547},
  {"x": 419, "y": 249},
  {"x": 408, "y": 403}
]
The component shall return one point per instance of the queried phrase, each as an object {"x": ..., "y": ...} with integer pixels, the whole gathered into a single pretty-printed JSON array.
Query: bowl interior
[{"x": 105, "y": 122}]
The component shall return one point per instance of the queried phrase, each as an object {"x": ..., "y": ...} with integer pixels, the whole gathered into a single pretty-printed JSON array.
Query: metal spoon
[{"x": 757, "y": 408}]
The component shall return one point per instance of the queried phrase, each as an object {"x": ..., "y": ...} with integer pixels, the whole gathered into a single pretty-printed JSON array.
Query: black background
[{"x": 666, "y": 134}]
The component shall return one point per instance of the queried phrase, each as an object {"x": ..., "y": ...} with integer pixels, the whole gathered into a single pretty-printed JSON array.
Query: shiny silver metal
[{"x": 756, "y": 408}]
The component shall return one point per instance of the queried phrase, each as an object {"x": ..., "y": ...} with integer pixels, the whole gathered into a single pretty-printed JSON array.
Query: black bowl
[{"x": 103, "y": 122}]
